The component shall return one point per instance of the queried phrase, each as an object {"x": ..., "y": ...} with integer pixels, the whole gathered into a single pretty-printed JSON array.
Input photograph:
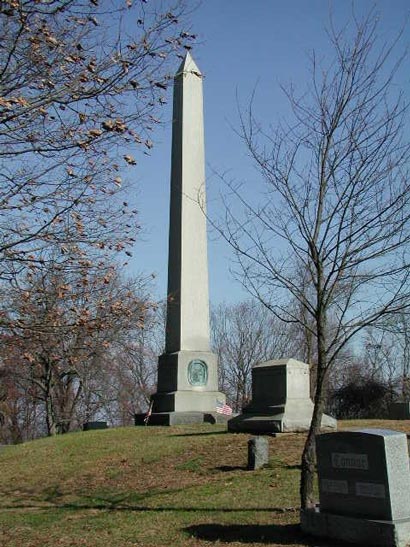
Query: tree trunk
[
  {"x": 50, "y": 417},
  {"x": 69, "y": 404},
  {"x": 308, "y": 462},
  {"x": 309, "y": 457}
]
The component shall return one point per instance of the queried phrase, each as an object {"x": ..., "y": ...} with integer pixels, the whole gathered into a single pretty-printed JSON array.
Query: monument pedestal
[
  {"x": 181, "y": 418},
  {"x": 187, "y": 390},
  {"x": 280, "y": 400}
]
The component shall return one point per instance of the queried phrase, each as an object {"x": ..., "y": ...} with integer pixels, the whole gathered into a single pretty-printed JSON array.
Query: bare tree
[
  {"x": 388, "y": 352},
  {"x": 364, "y": 383},
  {"x": 129, "y": 377},
  {"x": 401, "y": 333},
  {"x": 80, "y": 87},
  {"x": 336, "y": 206},
  {"x": 20, "y": 413},
  {"x": 242, "y": 336}
]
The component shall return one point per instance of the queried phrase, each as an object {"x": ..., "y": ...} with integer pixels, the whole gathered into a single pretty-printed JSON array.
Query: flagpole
[{"x": 149, "y": 412}]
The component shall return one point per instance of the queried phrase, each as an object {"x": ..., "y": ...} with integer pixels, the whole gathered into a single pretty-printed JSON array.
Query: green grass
[{"x": 151, "y": 486}]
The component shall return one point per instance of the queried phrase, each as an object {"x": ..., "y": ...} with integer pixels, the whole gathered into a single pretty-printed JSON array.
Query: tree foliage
[
  {"x": 81, "y": 82},
  {"x": 60, "y": 329},
  {"x": 362, "y": 398},
  {"x": 243, "y": 336}
]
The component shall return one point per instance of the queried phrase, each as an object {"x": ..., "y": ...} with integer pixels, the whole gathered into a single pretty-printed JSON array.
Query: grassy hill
[{"x": 152, "y": 486}]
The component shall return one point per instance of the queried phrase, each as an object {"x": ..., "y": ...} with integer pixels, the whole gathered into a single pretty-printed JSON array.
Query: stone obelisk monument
[{"x": 187, "y": 389}]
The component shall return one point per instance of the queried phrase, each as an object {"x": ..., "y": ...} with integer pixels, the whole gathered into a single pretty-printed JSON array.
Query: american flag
[{"x": 223, "y": 408}]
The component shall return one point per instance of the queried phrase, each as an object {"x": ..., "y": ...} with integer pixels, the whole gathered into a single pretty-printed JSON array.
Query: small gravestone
[
  {"x": 364, "y": 488},
  {"x": 258, "y": 453},
  {"x": 88, "y": 426},
  {"x": 399, "y": 411}
]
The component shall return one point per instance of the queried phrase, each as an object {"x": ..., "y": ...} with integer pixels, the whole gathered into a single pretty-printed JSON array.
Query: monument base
[
  {"x": 181, "y": 418},
  {"x": 296, "y": 421},
  {"x": 189, "y": 401},
  {"x": 280, "y": 400},
  {"x": 187, "y": 390},
  {"x": 395, "y": 533}
]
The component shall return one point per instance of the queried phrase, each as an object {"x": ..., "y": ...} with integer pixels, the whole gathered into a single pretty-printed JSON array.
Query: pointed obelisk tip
[{"x": 188, "y": 65}]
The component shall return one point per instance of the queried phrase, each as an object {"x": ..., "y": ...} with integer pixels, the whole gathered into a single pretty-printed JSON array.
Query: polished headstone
[
  {"x": 364, "y": 473},
  {"x": 88, "y": 426},
  {"x": 364, "y": 488}
]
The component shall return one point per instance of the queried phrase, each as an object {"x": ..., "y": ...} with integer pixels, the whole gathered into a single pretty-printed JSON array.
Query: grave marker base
[
  {"x": 278, "y": 423},
  {"x": 394, "y": 533},
  {"x": 182, "y": 418}
]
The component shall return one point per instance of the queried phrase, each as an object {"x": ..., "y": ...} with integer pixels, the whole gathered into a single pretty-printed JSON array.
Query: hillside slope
[{"x": 150, "y": 486}]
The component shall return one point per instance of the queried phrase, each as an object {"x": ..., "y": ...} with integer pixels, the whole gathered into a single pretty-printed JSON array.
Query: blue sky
[{"x": 241, "y": 44}]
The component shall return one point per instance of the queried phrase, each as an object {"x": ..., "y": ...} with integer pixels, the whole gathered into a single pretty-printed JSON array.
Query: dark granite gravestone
[
  {"x": 88, "y": 426},
  {"x": 364, "y": 488},
  {"x": 258, "y": 452},
  {"x": 399, "y": 411}
]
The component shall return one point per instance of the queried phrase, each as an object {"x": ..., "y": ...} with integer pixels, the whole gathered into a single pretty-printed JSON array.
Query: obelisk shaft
[
  {"x": 188, "y": 299},
  {"x": 187, "y": 388}
]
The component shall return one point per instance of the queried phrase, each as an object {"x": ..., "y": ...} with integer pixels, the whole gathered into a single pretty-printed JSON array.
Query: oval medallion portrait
[{"x": 197, "y": 373}]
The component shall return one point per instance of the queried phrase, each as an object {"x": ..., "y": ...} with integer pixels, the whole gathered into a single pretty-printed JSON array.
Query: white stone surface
[
  {"x": 188, "y": 299},
  {"x": 187, "y": 330}
]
